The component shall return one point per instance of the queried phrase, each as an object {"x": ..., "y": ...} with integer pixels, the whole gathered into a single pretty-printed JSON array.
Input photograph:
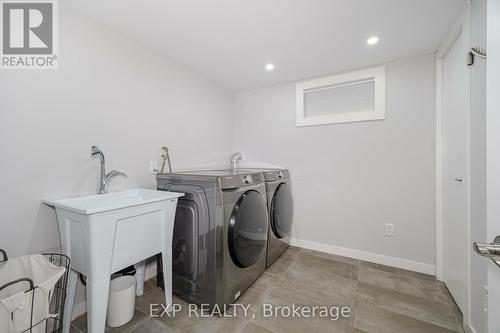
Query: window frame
[{"x": 377, "y": 74}]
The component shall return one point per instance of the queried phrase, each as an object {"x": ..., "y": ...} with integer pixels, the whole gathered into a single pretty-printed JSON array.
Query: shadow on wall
[
  {"x": 247, "y": 161},
  {"x": 46, "y": 220}
]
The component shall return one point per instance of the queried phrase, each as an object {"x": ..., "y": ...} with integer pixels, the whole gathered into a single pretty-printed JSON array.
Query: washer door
[
  {"x": 282, "y": 211},
  {"x": 247, "y": 235}
]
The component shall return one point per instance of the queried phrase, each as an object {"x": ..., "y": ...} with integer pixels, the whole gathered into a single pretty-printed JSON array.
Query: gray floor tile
[
  {"x": 428, "y": 289},
  {"x": 144, "y": 302},
  {"x": 205, "y": 325},
  {"x": 295, "y": 249},
  {"x": 286, "y": 295},
  {"x": 265, "y": 282},
  {"x": 252, "y": 300},
  {"x": 417, "y": 275},
  {"x": 280, "y": 266},
  {"x": 289, "y": 290},
  {"x": 453, "y": 305},
  {"x": 199, "y": 321},
  {"x": 254, "y": 328},
  {"x": 357, "y": 330},
  {"x": 437, "y": 313},
  {"x": 316, "y": 325},
  {"x": 289, "y": 254},
  {"x": 74, "y": 329},
  {"x": 325, "y": 280},
  {"x": 81, "y": 323},
  {"x": 326, "y": 265},
  {"x": 404, "y": 272},
  {"x": 150, "y": 286},
  {"x": 372, "y": 319},
  {"x": 151, "y": 326}
]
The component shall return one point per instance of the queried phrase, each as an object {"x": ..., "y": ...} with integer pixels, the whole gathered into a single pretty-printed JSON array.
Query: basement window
[{"x": 348, "y": 97}]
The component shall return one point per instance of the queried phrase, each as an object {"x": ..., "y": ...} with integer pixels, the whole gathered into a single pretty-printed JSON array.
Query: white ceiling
[{"x": 230, "y": 41}]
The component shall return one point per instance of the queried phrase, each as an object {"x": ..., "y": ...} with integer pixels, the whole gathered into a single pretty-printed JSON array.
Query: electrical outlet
[
  {"x": 153, "y": 167},
  {"x": 389, "y": 229}
]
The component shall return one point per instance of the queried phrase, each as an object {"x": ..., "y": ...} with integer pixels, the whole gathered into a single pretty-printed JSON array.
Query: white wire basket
[{"x": 33, "y": 292}]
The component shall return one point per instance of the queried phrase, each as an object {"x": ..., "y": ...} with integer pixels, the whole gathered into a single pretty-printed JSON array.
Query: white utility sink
[{"x": 105, "y": 233}]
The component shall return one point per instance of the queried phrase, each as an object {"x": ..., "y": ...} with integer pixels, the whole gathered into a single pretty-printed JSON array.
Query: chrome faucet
[
  {"x": 104, "y": 179},
  {"x": 235, "y": 160}
]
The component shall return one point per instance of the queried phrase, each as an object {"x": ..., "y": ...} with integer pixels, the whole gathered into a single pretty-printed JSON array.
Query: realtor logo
[{"x": 28, "y": 34}]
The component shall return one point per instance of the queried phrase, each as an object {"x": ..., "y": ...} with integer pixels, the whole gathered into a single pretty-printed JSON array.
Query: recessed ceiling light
[
  {"x": 269, "y": 67},
  {"x": 372, "y": 40}
]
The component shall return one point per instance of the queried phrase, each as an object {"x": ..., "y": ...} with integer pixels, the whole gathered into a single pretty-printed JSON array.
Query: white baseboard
[{"x": 366, "y": 256}]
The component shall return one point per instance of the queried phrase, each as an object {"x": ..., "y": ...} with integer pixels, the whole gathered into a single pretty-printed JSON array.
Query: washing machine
[
  {"x": 220, "y": 233},
  {"x": 280, "y": 210}
]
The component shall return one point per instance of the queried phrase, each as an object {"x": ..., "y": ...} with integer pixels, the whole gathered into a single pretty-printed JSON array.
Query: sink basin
[
  {"x": 105, "y": 233},
  {"x": 98, "y": 203}
]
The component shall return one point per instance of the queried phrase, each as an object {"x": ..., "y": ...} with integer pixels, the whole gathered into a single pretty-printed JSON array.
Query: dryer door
[
  {"x": 281, "y": 212},
  {"x": 247, "y": 234}
]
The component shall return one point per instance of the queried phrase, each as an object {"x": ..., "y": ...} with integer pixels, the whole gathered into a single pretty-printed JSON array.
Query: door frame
[
  {"x": 461, "y": 26},
  {"x": 493, "y": 153}
]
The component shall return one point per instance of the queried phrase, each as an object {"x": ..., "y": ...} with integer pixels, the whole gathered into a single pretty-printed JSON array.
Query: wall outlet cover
[
  {"x": 153, "y": 167},
  {"x": 389, "y": 229}
]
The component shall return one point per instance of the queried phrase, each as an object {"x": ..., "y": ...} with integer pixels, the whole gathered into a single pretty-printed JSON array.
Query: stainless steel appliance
[
  {"x": 220, "y": 233},
  {"x": 280, "y": 209}
]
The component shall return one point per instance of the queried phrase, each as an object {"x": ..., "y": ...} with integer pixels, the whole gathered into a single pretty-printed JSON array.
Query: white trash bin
[{"x": 121, "y": 301}]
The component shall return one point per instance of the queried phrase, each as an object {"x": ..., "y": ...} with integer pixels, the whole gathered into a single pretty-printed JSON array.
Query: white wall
[
  {"x": 350, "y": 179},
  {"x": 109, "y": 92}
]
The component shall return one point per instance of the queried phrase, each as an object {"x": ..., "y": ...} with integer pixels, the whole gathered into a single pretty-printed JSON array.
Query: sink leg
[
  {"x": 167, "y": 277},
  {"x": 97, "y": 305},
  {"x": 70, "y": 300},
  {"x": 139, "y": 274}
]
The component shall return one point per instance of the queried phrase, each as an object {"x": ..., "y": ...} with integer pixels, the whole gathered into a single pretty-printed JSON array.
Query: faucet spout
[
  {"x": 107, "y": 179},
  {"x": 96, "y": 151},
  {"x": 104, "y": 178}
]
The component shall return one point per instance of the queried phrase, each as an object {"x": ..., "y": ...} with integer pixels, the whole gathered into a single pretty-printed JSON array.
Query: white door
[{"x": 455, "y": 171}]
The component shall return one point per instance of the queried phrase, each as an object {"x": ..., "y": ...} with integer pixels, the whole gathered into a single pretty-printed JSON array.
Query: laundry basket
[{"x": 33, "y": 292}]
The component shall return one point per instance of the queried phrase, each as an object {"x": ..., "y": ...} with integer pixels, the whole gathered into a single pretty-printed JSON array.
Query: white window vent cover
[{"x": 354, "y": 96}]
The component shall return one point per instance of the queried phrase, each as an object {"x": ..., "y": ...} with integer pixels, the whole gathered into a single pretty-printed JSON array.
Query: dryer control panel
[
  {"x": 240, "y": 180},
  {"x": 276, "y": 174}
]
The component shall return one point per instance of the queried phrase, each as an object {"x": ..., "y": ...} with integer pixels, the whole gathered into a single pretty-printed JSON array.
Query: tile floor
[{"x": 382, "y": 299}]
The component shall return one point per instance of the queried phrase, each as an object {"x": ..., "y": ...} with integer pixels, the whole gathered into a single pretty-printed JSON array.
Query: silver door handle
[
  {"x": 458, "y": 179},
  {"x": 489, "y": 250}
]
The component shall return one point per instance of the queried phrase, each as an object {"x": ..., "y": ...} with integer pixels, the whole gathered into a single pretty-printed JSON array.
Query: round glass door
[
  {"x": 282, "y": 211},
  {"x": 248, "y": 229}
]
